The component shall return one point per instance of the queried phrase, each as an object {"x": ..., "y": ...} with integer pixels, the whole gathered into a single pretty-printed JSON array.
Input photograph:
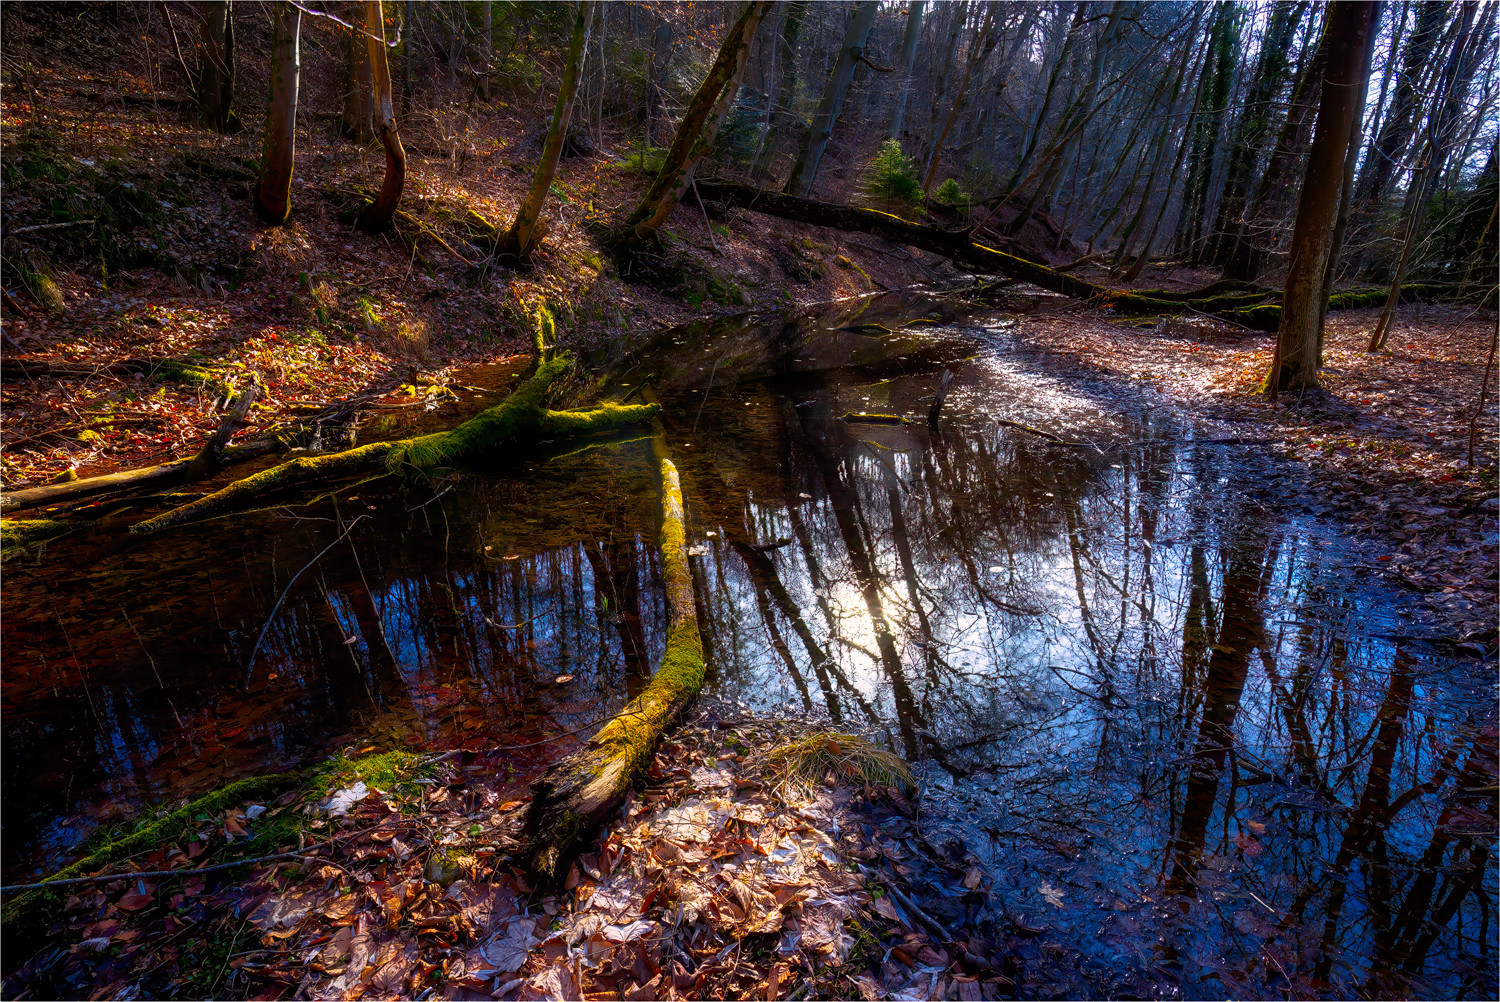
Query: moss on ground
[{"x": 17, "y": 534}]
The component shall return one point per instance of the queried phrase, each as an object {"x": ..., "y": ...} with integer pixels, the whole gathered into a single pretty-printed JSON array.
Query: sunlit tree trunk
[
  {"x": 805, "y": 170},
  {"x": 273, "y": 194},
  {"x": 908, "y": 61},
  {"x": 216, "y": 75},
  {"x": 377, "y": 217},
  {"x": 527, "y": 229},
  {"x": 1294, "y": 364},
  {"x": 699, "y": 125},
  {"x": 357, "y": 116}
]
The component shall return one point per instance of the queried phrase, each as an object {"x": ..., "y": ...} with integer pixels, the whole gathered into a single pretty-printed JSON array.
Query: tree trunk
[
  {"x": 661, "y": 47},
  {"x": 408, "y": 10},
  {"x": 487, "y": 57},
  {"x": 527, "y": 228},
  {"x": 1445, "y": 109},
  {"x": 216, "y": 74},
  {"x": 579, "y": 792},
  {"x": 908, "y": 60},
  {"x": 1295, "y": 361},
  {"x": 977, "y": 55},
  {"x": 358, "y": 112},
  {"x": 1271, "y": 71},
  {"x": 1213, "y": 95},
  {"x": 695, "y": 134},
  {"x": 805, "y": 170},
  {"x": 1346, "y": 191},
  {"x": 273, "y": 195},
  {"x": 1273, "y": 193},
  {"x": 784, "y": 120},
  {"x": 376, "y": 217}
]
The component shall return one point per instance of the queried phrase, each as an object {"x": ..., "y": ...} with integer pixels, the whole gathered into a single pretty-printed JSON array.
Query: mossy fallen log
[
  {"x": 25, "y": 917},
  {"x": 20, "y": 534},
  {"x": 180, "y": 370},
  {"x": 521, "y": 419},
  {"x": 579, "y": 792},
  {"x": 1267, "y": 317}
]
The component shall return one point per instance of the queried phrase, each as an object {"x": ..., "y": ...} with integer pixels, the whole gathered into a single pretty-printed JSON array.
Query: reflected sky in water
[{"x": 1135, "y": 665}]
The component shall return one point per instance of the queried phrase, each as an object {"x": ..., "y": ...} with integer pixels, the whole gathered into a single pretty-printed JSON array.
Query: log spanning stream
[{"x": 1202, "y": 749}]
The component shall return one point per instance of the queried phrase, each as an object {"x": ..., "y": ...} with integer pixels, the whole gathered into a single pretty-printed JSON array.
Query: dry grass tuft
[{"x": 844, "y": 756}]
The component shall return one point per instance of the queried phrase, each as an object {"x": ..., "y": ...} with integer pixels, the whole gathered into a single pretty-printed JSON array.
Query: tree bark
[
  {"x": 1445, "y": 109},
  {"x": 980, "y": 52},
  {"x": 1294, "y": 364},
  {"x": 528, "y": 228},
  {"x": 273, "y": 195},
  {"x": 805, "y": 170},
  {"x": 216, "y": 74},
  {"x": 695, "y": 134},
  {"x": 908, "y": 60},
  {"x": 376, "y": 217},
  {"x": 355, "y": 120}
]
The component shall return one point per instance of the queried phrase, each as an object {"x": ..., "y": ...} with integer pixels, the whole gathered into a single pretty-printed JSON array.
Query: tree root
[
  {"x": 520, "y": 418},
  {"x": 579, "y": 792}
]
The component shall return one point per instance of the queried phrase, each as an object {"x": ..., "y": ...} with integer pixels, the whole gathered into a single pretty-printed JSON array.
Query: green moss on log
[
  {"x": 17, "y": 534},
  {"x": 519, "y": 419},
  {"x": 26, "y": 916}
]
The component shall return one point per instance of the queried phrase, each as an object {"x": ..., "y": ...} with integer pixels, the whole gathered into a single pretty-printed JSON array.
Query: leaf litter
[{"x": 723, "y": 876}]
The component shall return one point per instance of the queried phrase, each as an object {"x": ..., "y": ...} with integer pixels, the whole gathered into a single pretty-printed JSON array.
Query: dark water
[{"x": 1201, "y": 751}]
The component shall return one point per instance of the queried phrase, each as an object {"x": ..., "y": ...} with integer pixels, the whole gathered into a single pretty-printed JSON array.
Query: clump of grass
[
  {"x": 891, "y": 178},
  {"x": 849, "y": 758}
]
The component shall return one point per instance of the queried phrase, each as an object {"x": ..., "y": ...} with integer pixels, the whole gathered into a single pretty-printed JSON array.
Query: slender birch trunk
[
  {"x": 273, "y": 194},
  {"x": 528, "y": 228},
  {"x": 377, "y": 217}
]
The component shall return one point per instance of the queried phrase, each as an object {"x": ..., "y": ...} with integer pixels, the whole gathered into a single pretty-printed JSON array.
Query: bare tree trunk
[
  {"x": 1295, "y": 362},
  {"x": 528, "y": 228},
  {"x": 273, "y": 195},
  {"x": 487, "y": 57},
  {"x": 375, "y": 218},
  {"x": 216, "y": 75},
  {"x": 1434, "y": 150},
  {"x": 661, "y": 47},
  {"x": 908, "y": 60},
  {"x": 805, "y": 170},
  {"x": 700, "y": 124},
  {"x": 977, "y": 55},
  {"x": 787, "y": 85},
  {"x": 1346, "y": 192},
  {"x": 408, "y": 12},
  {"x": 357, "y": 116}
]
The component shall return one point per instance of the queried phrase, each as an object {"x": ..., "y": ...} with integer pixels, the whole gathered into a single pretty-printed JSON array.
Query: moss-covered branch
[
  {"x": 519, "y": 419},
  {"x": 576, "y": 794}
]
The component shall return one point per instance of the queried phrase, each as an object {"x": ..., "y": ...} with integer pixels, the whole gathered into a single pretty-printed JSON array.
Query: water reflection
[{"x": 1135, "y": 674}]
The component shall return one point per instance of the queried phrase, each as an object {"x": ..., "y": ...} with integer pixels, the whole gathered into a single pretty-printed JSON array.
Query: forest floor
[{"x": 727, "y": 875}]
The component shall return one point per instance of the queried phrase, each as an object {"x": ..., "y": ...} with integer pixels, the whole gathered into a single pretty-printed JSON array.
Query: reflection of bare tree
[{"x": 1245, "y": 579}]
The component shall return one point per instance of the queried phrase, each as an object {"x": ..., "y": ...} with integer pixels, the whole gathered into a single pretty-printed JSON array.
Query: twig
[
  {"x": 38, "y": 227},
  {"x": 706, "y": 224},
  {"x": 277, "y": 607},
  {"x": 305, "y": 855},
  {"x": 911, "y": 906},
  {"x": 1484, "y": 388}
]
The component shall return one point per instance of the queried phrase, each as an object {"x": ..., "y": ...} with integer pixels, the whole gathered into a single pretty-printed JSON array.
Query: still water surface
[{"x": 1152, "y": 689}]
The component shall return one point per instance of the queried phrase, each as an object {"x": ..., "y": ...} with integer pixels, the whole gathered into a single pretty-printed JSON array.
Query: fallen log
[
  {"x": 519, "y": 419},
  {"x": 14, "y": 367},
  {"x": 953, "y": 244},
  {"x": 576, "y": 794}
]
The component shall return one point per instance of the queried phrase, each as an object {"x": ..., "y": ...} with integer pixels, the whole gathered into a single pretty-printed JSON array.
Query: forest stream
[{"x": 1162, "y": 697}]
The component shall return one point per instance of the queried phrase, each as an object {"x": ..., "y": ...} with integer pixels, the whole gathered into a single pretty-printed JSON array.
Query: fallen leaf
[{"x": 1053, "y": 895}]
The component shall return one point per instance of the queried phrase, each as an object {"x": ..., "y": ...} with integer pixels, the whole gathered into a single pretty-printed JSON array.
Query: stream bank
[{"x": 1139, "y": 677}]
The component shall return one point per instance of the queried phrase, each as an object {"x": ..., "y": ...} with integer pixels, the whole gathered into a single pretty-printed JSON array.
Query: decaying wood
[{"x": 579, "y": 792}]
